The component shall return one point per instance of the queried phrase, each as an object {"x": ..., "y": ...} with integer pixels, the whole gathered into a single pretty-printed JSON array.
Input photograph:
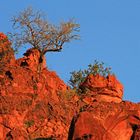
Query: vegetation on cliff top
[{"x": 77, "y": 77}]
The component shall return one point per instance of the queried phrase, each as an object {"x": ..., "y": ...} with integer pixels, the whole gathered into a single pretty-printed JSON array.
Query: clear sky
[{"x": 110, "y": 32}]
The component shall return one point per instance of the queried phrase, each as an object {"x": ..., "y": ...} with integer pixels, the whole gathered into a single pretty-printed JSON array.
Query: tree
[{"x": 31, "y": 27}]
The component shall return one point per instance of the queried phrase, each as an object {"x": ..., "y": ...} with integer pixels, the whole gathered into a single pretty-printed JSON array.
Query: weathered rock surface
[
  {"x": 30, "y": 105},
  {"x": 104, "y": 116},
  {"x": 6, "y": 52},
  {"x": 103, "y": 88},
  {"x": 33, "y": 104},
  {"x": 32, "y": 60},
  {"x": 106, "y": 121}
]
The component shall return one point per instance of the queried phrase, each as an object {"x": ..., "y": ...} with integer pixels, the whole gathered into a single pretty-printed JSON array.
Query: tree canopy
[{"x": 32, "y": 27}]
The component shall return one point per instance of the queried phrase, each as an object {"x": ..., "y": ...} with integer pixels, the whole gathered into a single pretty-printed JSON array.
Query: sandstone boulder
[
  {"x": 103, "y": 88},
  {"x": 107, "y": 121}
]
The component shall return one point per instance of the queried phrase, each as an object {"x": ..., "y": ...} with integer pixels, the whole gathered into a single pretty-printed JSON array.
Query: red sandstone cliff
[
  {"x": 36, "y": 104},
  {"x": 32, "y": 104},
  {"x": 104, "y": 115}
]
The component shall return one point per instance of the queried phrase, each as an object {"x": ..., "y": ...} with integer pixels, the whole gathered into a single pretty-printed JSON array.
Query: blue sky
[{"x": 110, "y": 32}]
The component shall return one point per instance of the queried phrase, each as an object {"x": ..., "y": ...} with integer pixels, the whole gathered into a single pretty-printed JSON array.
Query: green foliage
[{"x": 77, "y": 77}]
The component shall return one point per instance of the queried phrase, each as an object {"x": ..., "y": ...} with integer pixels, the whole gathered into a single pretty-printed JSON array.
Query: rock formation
[
  {"x": 6, "y": 52},
  {"x": 32, "y": 104},
  {"x": 36, "y": 104},
  {"x": 32, "y": 60},
  {"x": 105, "y": 116},
  {"x": 107, "y": 121},
  {"x": 103, "y": 88}
]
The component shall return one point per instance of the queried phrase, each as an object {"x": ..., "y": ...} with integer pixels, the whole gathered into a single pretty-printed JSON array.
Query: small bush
[{"x": 77, "y": 77}]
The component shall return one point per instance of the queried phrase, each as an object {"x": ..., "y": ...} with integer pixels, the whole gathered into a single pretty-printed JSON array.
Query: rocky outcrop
[
  {"x": 32, "y": 104},
  {"x": 103, "y": 115},
  {"x": 103, "y": 88},
  {"x": 6, "y": 52},
  {"x": 36, "y": 104},
  {"x": 32, "y": 60},
  {"x": 107, "y": 121}
]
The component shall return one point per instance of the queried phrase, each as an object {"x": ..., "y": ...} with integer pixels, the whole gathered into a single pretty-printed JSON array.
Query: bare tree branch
[{"x": 32, "y": 28}]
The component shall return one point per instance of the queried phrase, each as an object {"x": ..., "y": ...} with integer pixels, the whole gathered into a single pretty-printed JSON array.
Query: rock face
[
  {"x": 104, "y": 116},
  {"x": 36, "y": 104},
  {"x": 107, "y": 121},
  {"x": 103, "y": 88},
  {"x": 33, "y": 104},
  {"x": 29, "y": 104},
  {"x": 6, "y": 52},
  {"x": 32, "y": 60}
]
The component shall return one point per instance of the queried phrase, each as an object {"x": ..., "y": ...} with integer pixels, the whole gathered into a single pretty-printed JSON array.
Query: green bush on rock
[{"x": 77, "y": 77}]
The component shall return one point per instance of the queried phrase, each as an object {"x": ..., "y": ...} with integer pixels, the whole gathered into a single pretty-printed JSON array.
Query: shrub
[{"x": 77, "y": 77}]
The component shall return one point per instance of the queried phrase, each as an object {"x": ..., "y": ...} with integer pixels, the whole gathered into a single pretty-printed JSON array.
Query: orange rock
[
  {"x": 106, "y": 121},
  {"x": 29, "y": 101},
  {"x": 115, "y": 85},
  {"x": 94, "y": 81},
  {"x": 6, "y": 52},
  {"x": 32, "y": 60},
  {"x": 103, "y": 88}
]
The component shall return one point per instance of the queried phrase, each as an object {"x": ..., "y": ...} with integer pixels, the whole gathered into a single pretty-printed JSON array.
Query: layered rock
[
  {"x": 107, "y": 121},
  {"x": 103, "y": 88},
  {"x": 103, "y": 115}
]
